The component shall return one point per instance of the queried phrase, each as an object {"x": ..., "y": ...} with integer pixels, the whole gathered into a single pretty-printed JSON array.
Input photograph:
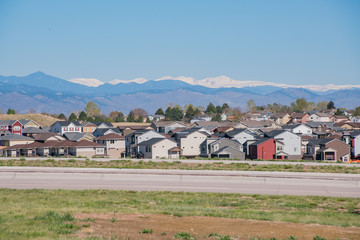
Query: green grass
[
  {"x": 181, "y": 165},
  {"x": 49, "y": 214}
]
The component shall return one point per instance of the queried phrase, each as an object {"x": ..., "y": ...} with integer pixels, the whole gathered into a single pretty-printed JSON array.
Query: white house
[
  {"x": 320, "y": 117},
  {"x": 114, "y": 144},
  {"x": 133, "y": 139},
  {"x": 156, "y": 148},
  {"x": 240, "y": 135},
  {"x": 62, "y": 127},
  {"x": 299, "y": 129},
  {"x": 355, "y": 119},
  {"x": 291, "y": 142}
]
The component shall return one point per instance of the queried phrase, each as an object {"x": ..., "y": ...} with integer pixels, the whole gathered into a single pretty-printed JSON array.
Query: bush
[
  {"x": 146, "y": 231},
  {"x": 184, "y": 235}
]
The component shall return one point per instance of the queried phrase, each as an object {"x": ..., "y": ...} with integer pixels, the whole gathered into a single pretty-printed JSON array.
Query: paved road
[
  {"x": 203, "y": 161},
  {"x": 274, "y": 183}
]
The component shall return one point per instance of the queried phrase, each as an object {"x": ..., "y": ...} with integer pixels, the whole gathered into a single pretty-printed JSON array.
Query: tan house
[
  {"x": 327, "y": 149},
  {"x": 281, "y": 118},
  {"x": 299, "y": 117},
  {"x": 114, "y": 144},
  {"x": 14, "y": 139},
  {"x": 88, "y": 127},
  {"x": 156, "y": 148}
]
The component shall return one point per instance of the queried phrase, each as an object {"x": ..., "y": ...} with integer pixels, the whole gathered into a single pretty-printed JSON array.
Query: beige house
[
  {"x": 156, "y": 148},
  {"x": 14, "y": 139},
  {"x": 114, "y": 144},
  {"x": 189, "y": 141},
  {"x": 88, "y": 127}
]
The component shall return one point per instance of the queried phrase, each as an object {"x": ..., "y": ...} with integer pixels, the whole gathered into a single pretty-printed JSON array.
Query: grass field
[
  {"x": 49, "y": 214},
  {"x": 180, "y": 165}
]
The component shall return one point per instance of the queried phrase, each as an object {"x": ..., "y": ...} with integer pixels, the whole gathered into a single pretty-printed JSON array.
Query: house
[
  {"x": 223, "y": 130},
  {"x": 132, "y": 140},
  {"x": 320, "y": 117},
  {"x": 10, "y": 126},
  {"x": 300, "y": 129},
  {"x": 46, "y": 137},
  {"x": 156, "y": 148},
  {"x": 77, "y": 137},
  {"x": 281, "y": 118},
  {"x": 156, "y": 118},
  {"x": 189, "y": 141},
  {"x": 299, "y": 117},
  {"x": 355, "y": 119},
  {"x": 241, "y": 135},
  {"x": 166, "y": 126},
  {"x": 327, "y": 149},
  {"x": 103, "y": 131},
  {"x": 349, "y": 125},
  {"x": 291, "y": 142},
  {"x": 319, "y": 126},
  {"x": 56, "y": 148},
  {"x": 201, "y": 118},
  {"x": 26, "y": 123},
  {"x": 30, "y": 131},
  {"x": 114, "y": 144},
  {"x": 103, "y": 125},
  {"x": 222, "y": 148},
  {"x": 62, "y": 127},
  {"x": 252, "y": 124},
  {"x": 88, "y": 127},
  {"x": 340, "y": 118},
  {"x": 262, "y": 149},
  {"x": 257, "y": 116},
  {"x": 14, "y": 139},
  {"x": 355, "y": 144}
]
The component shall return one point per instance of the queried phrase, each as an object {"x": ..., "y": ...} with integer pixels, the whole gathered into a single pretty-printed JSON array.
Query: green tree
[
  {"x": 11, "y": 111},
  {"x": 210, "y": 109},
  {"x": 331, "y": 105},
  {"x": 160, "y": 112},
  {"x": 140, "y": 119},
  {"x": 197, "y": 111},
  {"x": 62, "y": 117},
  {"x": 225, "y": 107},
  {"x": 148, "y": 120},
  {"x": 72, "y": 117},
  {"x": 90, "y": 119},
  {"x": 131, "y": 117},
  {"x": 219, "y": 109},
  {"x": 120, "y": 117},
  {"x": 174, "y": 114},
  {"x": 338, "y": 112},
  {"x": 92, "y": 109},
  {"x": 82, "y": 116},
  {"x": 321, "y": 105},
  {"x": 301, "y": 105},
  {"x": 190, "y": 112},
  {"x": 356, "y": 112},
  {"x": 217, "y": 117}
]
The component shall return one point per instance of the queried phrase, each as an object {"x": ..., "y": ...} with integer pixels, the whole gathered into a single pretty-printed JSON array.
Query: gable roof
[
  {"x": 260, "y": 141},
  {"x": 88, "y": 123},
  {"x": 101, "y": 131},
  {"x": 274, "y": 133},
  {"x": 110, "y": 136},
  {"x": 14, "y": 137},
  {"x": 7, "y": 122},
  {"x": 75, "y": 136},
  {"x": 153, "y": 141},
  {"x": 33, "y": 130},
  {"x": 108, "y": 124},
  {"x": 67, "y": 123},
  {"x": 319, "y": 141},
  {"x": 298, "y": 114},
  {"x": 46, "y": 135}
]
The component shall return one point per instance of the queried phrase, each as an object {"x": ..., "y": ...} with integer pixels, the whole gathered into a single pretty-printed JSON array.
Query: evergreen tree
[
  {"x": 131, "y": 117},
  {"x": 140, "y": 119},
  {"x": 160, "y": 112},
  {"x": 82, "y": 116},
  {"x": 219, "y": 109},
  {"x": 148, "y": 120},
  {"x": 217, "y": 117},
  {"x": 356, "y": 112},
  {"x": 11, "y": 111},
  {"x": 62, "y": 117},
  {"x": 120, "y": 117},
  {"x": 225, "y": 106},
  {"x": 331, "y": 105},
  {"x": 338, "y": 112},
  {"x": 190, "y": 112},
  {"x": 210, "y": 108},
  {"x": 72, "y": 117}
]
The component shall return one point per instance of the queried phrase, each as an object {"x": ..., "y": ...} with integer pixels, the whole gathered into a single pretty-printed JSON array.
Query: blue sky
[{"x": 293, "y": 42}]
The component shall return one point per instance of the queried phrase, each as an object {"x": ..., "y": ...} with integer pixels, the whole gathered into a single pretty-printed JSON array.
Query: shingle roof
[
  {"x": 14, "y": 137},
  {"x": 7, "y": 122},
  {"x": 274, "y": 133},
  {"x": 319, "y": 141},
  {"x": 110, "y": 137},
  {"x": 152, "y": 141},
  {"x": 67, "y": 123},
  {"x": 234, "y": 132},
  {"x": 260, "y": 141},
  {"x": 34, "y": 130},
  {"x": 55, "y": 144},
  {"x": 45, "y": 136},
  {"x": 298, "y": 115},
  {"x": 74, "y": 136}
]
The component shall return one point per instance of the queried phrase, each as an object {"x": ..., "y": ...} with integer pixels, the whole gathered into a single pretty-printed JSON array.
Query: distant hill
[
  {"x": 40, "y": 92},
  {"x": 41, "y": 119}
]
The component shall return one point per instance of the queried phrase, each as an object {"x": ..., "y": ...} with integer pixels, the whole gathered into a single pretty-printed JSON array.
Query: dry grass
[{"x": 41, "y": 119}]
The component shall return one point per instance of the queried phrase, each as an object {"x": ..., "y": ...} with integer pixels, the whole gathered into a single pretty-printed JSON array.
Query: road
[
  {"x": 284, "y": 162},
  {"x": 248, "y": 182}
]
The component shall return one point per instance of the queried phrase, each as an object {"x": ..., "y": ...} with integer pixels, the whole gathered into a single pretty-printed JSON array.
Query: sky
[{"x": 292, "y": 42}]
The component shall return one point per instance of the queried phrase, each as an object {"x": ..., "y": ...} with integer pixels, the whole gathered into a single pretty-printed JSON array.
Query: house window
[
  {"x": 295, "y": 149},
  {"x": 112, "y": 141},
  {"x": 279, "y": 148}
]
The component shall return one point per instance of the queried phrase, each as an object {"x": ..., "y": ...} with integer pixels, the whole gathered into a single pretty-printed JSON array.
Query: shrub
[{"x": 146, "y": 231}]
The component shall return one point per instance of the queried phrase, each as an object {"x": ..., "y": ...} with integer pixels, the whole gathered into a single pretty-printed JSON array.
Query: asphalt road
[
  {"x": 284, "y": 162},
  {"x": 273, "y": 183}
]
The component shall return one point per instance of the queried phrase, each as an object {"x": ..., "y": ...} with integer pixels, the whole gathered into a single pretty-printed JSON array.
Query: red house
[
  {"x": 10, "y": 126},
  {"x": 262, "y": 149}
]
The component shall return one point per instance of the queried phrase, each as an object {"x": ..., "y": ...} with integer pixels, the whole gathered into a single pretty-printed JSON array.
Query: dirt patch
[{"x": 128, "y": 226}]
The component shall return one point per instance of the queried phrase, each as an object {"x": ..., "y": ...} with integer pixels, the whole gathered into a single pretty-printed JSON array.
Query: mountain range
[{"x": 40, "y": 92}]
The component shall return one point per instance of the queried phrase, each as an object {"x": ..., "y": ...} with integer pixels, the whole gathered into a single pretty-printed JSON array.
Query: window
[
  {"x": 112, "y": 141},
  {"x": 295, "y": 149}
]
